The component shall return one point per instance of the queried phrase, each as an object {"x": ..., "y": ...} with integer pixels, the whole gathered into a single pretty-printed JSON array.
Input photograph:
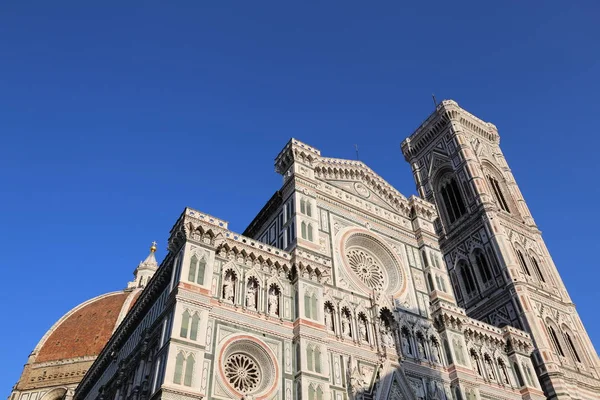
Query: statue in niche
[
  {"x": 329, "y": 319},
  {"x": 251, "y": 295},
  {"x": 362, "y": 329},
  {"x": 421, "y": 348},
  {"x": 273, "y": 301},
  {"x": 417, "y": 387},
  {"x": 228, "y": 289},
  {"x": 405, "y": 344},
  {"x": 475, "y": 362},
  {"x": 489, "y": 369},
  {"x": 435, "y": 352},
  {"x": 387, "y": 339},
  {"x": 346, "y": 329},
  {"x": 436, "y": 391}
]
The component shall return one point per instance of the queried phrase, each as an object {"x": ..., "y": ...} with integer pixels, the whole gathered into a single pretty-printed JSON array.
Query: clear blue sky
[{"x": 113, "y": 118}]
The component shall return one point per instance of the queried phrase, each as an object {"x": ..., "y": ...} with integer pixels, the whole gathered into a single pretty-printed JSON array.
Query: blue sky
[{"x": 115, "y": 117}]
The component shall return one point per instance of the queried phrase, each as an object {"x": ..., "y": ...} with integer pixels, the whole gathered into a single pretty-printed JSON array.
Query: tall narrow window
[
  {"x": 310, "y": 358},
  {"x": 453, "y": 201},
  {"x": 313, "y": 306},
  {"x": 309, "y": 231},
  {"x": 498, "y": 193},
  {"x": 318, "y": 359},
  {"x": 303, "y": 230},
  {"x": 308, "y": 209},
  {"x": 185, "y": 324},
  {"x": 522, "y": 262},
  {"x": 194, "y": 328},
  {"x": 467, "y": 276},
  {"x": 303, "y": 206},
  {"x": 201, "y": 269},
  {"x": 555, "y": 341},
  {"x": 482, "y": 264},
  {"x": 312, "y": 393},
  {"x": 189, "y": 370},
  {"x": 307, "y": 305},
  {"x": 537, "y": 269},
  {"x": 430, "y": 283},
  {"x": 319, "y": 393},
  {"x": 455, "y": 286},
  {"x": 192, "y": 272},
  {"x": 572, "y": 346},
  {"x": 178, "y": 368}
]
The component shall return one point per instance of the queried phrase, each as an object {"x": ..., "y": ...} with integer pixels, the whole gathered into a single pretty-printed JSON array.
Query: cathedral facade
[{"x": 341, "y": 288}]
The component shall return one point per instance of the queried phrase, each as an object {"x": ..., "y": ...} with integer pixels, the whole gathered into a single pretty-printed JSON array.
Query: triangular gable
[{"x": 355, "y": 178}]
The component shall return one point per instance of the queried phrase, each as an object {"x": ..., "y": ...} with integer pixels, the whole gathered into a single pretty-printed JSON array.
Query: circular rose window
[
  {"x": 370, "y": 263},
  {"x": 248, "y": 367}
]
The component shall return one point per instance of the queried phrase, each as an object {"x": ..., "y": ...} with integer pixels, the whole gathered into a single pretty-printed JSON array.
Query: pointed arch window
[
  {"x": 572, "y": 346},
  {"x": 522, "y": 262},
  {"x": 537, "y": 269},
  {"x": 309, "y": 231},
  {"x": 498, "y": 193},
  {"x": 317, "y": 359},
  {"x": 201, "y": 270},
  {"x": 430, "y": 285},
  {"x": 310, "y": 358},
  {"x": 482, "y": 264},
  {"x": 185, "y": 324},
  {"x": 192, "y": 271},
  {"x": 555, "y": 340},
  {"x": 303, "y": 206},
  {"x": 178, "y": 368},
  {"x": 456, "y": 286},
  {"x": 194, "y": 327},
  {"x": 468, "y": 279},
  {"x": 453, "y": 201},
  {"x": 303, "y": 230},
  {"x": 189, "y": 370}
]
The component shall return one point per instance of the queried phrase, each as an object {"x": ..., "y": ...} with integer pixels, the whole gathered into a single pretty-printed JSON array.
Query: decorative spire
[{"x": 145, "y": 270}]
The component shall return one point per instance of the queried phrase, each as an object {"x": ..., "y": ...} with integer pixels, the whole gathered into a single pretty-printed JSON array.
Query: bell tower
[{"x": 499, "y": 266}]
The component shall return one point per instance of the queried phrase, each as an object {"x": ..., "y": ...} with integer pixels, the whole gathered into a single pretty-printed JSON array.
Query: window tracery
[{"x": 452, "y": 199}]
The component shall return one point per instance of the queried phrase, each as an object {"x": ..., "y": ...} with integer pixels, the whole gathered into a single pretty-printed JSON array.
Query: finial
[{"x": 153, "y": 247}]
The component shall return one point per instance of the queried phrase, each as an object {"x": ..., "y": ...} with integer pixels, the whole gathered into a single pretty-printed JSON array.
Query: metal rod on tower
[
  {"x": 434, "y": 100},
  {"x": 356, "y": 147}
]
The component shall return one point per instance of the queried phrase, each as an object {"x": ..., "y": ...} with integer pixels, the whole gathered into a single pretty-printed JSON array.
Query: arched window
[
  {"x": 522, "y": 262},
  {"x": 178, "y": 368},
  {"x": 498, "y": 193},
  {"x": 425, "y": 260},
  {"x": 303, "y": 230},
  {"x": 313, "y": 305},
  {"x": 194, "y": 328},
  {"x": 185, "y": 324},
  {"x": 555, "y": 340},
  {"x": 453, "y": 201},
  {"x": 189, "y": 371},
  {"x": 467, "y": 277},
  {"x": 308, "y": 208},
  {"x": 303, "y": 206},
  {"x": 310, "y": 357},
  {"x": 312, "y": 393},
  {"x": 317, "y": 359},
  {"x": 309, "y": 231},
  {"x": 192, "y": 271},
  {"x": 482, "y": 264},
  {"x": 537, "y": 269},
  {"x": 456, "y": 286},
  {"x": 319, "y": 393},
  {"x": 201, "y": 270},
  {"x": 572, "y": 346},
  {"x": 430, "y": 283}
]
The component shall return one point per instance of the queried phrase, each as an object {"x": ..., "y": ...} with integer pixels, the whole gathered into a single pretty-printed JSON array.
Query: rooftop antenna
[
  {"x": 434, "y": 100},
  {"x": 356, "y": 147}
]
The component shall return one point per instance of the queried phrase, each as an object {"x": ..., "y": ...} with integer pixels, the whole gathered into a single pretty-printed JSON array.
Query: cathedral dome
[
  {"x": 85, "y": 329},
  {"x": 70, "y": 346}
]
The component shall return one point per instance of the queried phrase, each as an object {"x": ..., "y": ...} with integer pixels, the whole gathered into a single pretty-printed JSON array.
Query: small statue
[
  {"x": 273, "y": 302},
  {"x": 251, "y": 295},
  {"x": 362, "y": 330},
  {"x": 228, "y": 290}
]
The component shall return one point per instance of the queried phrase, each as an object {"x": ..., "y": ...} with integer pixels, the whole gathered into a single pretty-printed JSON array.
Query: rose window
[
  {"x": 242, "y": 372},
  {"x": 366, "y": 268}
]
